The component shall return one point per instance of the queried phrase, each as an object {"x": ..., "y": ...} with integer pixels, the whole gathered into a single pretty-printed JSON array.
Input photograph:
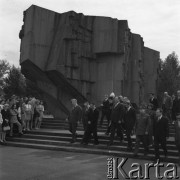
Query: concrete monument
[{"x": 71, "y": 55}]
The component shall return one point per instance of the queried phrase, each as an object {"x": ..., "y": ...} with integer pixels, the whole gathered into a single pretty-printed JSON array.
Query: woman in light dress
[
  {"x": 41, "y": 109},
  {"x": 28, "y": 115},
  {"x": 22, "y": 115},
  {"x": 37, "y": 113}
]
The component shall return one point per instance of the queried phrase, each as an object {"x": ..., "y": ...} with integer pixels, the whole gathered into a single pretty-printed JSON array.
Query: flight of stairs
[{"x": 54, "y": 135}]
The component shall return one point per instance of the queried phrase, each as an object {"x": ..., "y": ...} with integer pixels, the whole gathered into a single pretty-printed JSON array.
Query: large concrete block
[{"x": 71, "y": 55}]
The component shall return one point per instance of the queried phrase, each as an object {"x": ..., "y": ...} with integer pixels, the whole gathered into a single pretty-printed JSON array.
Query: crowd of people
[
  {"x": 149, "y": 122},
  {"x": 25, "y": 113}
]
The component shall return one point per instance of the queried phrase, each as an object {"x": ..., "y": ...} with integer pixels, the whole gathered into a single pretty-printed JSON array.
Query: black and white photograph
[{"x": 89, "y": 90}]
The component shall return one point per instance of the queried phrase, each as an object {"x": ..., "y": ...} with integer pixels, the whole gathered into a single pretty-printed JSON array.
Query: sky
[{"x": 157, "y": 21}]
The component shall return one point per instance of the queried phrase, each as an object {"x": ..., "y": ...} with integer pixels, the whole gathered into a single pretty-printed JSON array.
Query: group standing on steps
[
  {"x": 149, "y": 122},
  {"x": 24, "y": 113}
]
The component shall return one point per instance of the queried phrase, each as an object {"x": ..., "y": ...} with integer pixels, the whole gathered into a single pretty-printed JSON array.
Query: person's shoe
[
  {"x": 145, "y": 153},
  {"x": 72, "y": 141},
  {"x": 129, "y": 148},
  {"x": 151, "y": 145},
  {"x": 121, "y": 140},
  {"x": 20, "y": 134},
  {"x": 96, "y": 143},
  {"x": 110, "y": 144},
  {"x": 85, "y": 143}
]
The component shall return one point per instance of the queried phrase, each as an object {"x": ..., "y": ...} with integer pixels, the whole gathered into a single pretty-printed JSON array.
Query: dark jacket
[
  {"x": 106, "y": 105},
  {"x": 142, "y": 124},
  {"x": 85, "y": 114},
  {"x": 154, "y": 102},
  {"x": 130, "y": 119},
  {"x": 75, "y": 115},
  {"x": 5, "y": 115},
  {"x": 176, "y": 107},
  {"x": 161, "y": 128},
  {"x": 117, "y": 113},
  {"x": 93, "y": 116},
  {"x": 167, "y": 103},
  {"x": 152, "y": 115}
]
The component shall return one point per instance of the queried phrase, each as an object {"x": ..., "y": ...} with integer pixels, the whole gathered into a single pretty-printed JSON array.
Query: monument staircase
[{"x": 54, "y": 135}]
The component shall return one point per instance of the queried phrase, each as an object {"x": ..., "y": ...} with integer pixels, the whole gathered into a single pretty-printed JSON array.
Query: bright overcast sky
[{"x": 157, "y": 21}]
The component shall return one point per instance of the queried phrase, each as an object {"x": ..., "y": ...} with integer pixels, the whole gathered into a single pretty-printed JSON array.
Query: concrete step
[
  {"x": 65, "y": 133},
  {"x": 80, "y": 128},
  {"x": 100, "y": 146},
  {"x": 57, "y": 122},
  {"x": 87, "y": 149},
  {"x": 79, "y": 139},
  {"x": 67, "y": 125},
  {"x": 59, "y": 140},
  {"x": 63, "y": 120},
  {"x": 171, "y": 130}
]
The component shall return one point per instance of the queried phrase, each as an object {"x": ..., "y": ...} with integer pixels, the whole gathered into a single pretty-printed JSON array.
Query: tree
[
  {"x": 4, "y": 69},
  {"x": 15, "y": 82},
  {"x": 169, "y": 75}
]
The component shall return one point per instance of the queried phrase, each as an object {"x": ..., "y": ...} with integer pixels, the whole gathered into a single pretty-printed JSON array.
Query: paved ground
[{"x": 32, "y": 164}]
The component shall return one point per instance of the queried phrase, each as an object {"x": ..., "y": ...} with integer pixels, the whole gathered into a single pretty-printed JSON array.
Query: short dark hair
[
  {"x": 13, "y": 106},
  {"x": 159, "y": 109}
]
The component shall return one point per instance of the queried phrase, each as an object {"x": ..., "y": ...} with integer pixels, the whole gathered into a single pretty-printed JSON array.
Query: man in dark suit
[
  {"x": 117, "y": 115},
  {"x": 93, "y": 115},
  {"x": 74, "y": 117},
  {"x": 160, "y": 132},
  {"x": 176, "y": 106},
  {"x": 110, "y": 99},
  {"x": 129, "y": 120},
  {"x": 85, "y": 115},
  {"x": 153, "y": 101},
  {"x": 105, "y": 110}
]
